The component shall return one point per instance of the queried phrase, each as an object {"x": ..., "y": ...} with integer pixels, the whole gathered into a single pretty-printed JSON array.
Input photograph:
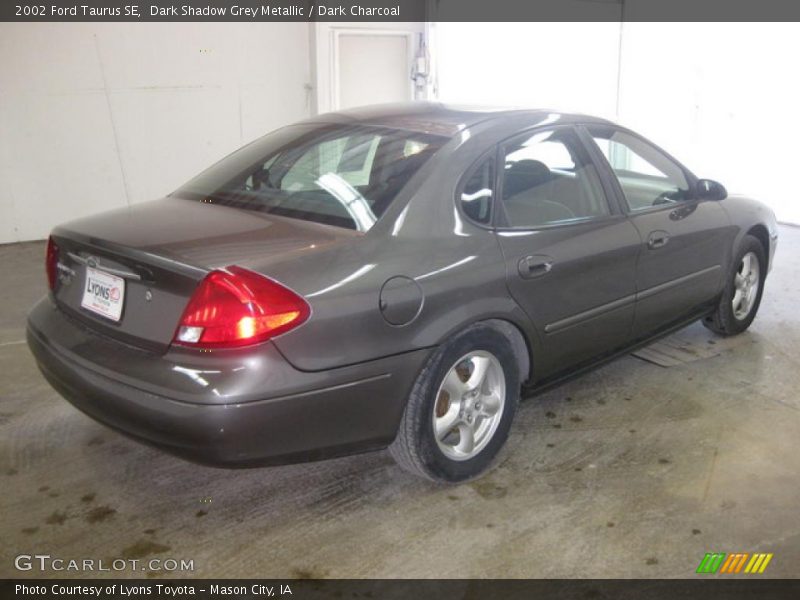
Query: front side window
[
  {"x": 547, "y": 179},
  {"x": 647, "y": 177},
  {"x": 345, "y": 176}
]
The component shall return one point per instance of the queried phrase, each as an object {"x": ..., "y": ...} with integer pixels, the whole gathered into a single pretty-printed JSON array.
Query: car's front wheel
[
  {"x": 741, "y": 297},
  {"x": 461, "y": 407}
]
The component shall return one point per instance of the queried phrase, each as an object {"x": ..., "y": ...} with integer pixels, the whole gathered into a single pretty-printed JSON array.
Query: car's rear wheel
[
  {"x": 461, "y": 407},
  {"x": 741, "y": 298}
]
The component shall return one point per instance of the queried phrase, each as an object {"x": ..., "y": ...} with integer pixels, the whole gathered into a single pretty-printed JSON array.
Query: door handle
[
  {"x": 534, "y": 266},
  {"x": 657, "y": 239},
  {"x": 124, "y": 273}
]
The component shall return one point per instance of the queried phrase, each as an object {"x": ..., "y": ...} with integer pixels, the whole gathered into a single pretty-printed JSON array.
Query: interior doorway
[
  {"x": 356, "y": 66},
  {"x": 372, "y": 67}
]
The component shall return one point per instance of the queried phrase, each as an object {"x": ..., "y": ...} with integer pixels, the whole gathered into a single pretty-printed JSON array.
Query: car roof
[{"x": 437, "y": 117}]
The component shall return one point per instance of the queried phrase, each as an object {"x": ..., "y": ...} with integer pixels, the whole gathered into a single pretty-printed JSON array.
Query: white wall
[
  {"x": 96, "y": 116},
  {"x": 566, "y": 66},
  {"x": 721, "y": 97}
]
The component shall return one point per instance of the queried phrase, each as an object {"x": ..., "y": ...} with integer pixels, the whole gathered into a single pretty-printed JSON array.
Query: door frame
[
  {"x": 576, "y": 321},
  {"x": 602, "y": 163},
  {"x": 499, "y": 219},
  {"x": 325, "y": 57}
]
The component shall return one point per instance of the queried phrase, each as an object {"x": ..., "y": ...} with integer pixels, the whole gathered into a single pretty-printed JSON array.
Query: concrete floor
[{"x": 634, "y": 470}]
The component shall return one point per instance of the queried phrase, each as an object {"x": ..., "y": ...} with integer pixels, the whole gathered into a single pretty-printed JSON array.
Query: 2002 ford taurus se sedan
[{"x": 388, "y": 276}]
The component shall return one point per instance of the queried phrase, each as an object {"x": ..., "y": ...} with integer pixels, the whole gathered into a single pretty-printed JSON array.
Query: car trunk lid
[{"x": 156, "y": 253}]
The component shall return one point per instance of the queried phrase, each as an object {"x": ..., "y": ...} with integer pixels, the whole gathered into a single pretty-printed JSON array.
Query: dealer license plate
[{"x": 103, "y": 293}]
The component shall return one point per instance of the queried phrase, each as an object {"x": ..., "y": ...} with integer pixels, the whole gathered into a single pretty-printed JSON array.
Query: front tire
[
  {"x": 460, "y": 409},
  {"x": 741, "y": 298}
]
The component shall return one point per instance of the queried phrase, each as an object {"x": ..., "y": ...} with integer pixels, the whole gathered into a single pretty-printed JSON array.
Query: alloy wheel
[
  {"x": 746, "y": 282},
  {"x": 469, "y": 405}
]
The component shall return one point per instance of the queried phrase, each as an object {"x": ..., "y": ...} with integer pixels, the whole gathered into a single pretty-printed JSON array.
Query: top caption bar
[
  {"x": 212, "y": 10},
  {"x": 399, "y": 10}
]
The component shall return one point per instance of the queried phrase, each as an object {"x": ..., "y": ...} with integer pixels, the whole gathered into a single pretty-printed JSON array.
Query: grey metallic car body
[{"x": 382, "y": 300}]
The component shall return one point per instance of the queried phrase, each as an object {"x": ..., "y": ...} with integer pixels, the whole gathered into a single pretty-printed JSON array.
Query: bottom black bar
[{"x": 477, "y": 589}]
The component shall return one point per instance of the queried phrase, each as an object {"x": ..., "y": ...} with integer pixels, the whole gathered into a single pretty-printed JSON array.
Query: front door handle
[
  {"x": 535, "y": 265},
  {"x": 657, "y": 239}
]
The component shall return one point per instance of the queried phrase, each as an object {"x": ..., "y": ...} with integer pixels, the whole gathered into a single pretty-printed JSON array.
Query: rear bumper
[{"x": 233, "y": 408}]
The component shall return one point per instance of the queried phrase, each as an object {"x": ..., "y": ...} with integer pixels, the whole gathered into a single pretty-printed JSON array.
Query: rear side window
[
  {"x": 476, "y": 193},
  {"x": 345, "y": 176},
  {"x": 548, "y": 179},
  {"x": 647, "y": 176}
]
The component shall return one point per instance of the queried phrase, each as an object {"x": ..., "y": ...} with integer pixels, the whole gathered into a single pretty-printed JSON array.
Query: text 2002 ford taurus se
[{"x": 388, "y": 276}]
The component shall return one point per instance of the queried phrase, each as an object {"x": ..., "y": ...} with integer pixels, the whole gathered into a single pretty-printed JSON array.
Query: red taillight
[
  {"x": 237, "y": 307},
  {"x": 51, "y": 263}
]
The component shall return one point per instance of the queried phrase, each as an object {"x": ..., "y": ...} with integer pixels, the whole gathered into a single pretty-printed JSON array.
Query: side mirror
[{"x": 708, "y": 189}]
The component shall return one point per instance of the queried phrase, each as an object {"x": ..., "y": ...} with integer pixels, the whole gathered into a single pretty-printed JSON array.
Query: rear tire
[
  {"x": 744, "y": 286},
  {"x": 468, "y": 392}
]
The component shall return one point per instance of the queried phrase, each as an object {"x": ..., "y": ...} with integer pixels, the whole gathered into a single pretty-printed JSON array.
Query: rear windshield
[{"x": 345, "y": 176}]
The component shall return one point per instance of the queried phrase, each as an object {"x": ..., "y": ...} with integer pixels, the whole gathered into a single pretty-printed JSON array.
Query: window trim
[
  {"x": 599, "y": 157},
  {"x": 609, "y": 192},
  {"x": 491, "y": 154}
]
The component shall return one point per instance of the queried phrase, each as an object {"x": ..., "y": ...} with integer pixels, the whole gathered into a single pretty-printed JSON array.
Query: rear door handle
[
  {"x": 657, "y": 239},
  {"x": 535, "y": 265}
]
